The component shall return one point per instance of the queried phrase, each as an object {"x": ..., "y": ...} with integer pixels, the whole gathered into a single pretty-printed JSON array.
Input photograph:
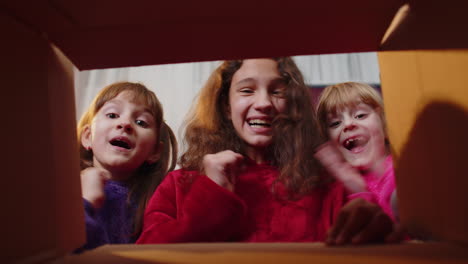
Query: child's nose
[
  {"x": 126, "y": 126},
  {"x": 349, "y": 124},
  {"x": 263, "y": 102}
]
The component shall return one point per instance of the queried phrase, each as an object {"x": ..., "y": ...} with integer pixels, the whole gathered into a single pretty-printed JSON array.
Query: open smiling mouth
[
  {"x": 354, "y": 143},
  {"x": 120, "y": 143},
  {"x": 259, "y": 123}
]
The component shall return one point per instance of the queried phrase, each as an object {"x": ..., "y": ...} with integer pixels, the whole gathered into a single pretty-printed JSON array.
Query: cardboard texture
[
  {"x": 273, "y": 253},
  {"x": 425, "y": 100},
  {"x": 430, "y": 24},
  {"x": 426, "y": 104},
  {"x": 41, "y": 188},
  {"x": 119, "y": 33}
]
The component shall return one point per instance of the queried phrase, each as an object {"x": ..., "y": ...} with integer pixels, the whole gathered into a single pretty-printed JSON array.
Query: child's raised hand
[
  {"x": 338, "y": 167},
  {"x": 222, "y": 167},
  {"x": 93, "y": 181},
  {"x": 361, "y": 221}
]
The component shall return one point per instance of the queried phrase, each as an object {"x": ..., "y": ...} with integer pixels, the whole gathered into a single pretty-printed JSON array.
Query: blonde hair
[
  {"x": 148, "y": 177},
  {"x": 335, "y": 98}
]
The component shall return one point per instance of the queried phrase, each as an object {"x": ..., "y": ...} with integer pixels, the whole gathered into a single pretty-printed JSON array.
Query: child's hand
[
  {"x": 222, "y": 167},
  {"x": 338, "y": 167},
  {"x": 360, "y": 221},
  {"x": 92, "y": 184}
]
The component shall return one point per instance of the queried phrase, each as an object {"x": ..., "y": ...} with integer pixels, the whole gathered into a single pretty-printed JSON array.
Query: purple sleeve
[{"x": 95, "y": 233}]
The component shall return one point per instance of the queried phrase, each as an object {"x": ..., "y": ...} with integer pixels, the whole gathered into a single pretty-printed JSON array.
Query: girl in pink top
[{"x": 351, "y": 117}]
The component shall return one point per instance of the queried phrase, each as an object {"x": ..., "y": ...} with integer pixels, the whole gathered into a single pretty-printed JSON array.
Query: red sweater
[{"x": 189, "y": 207}]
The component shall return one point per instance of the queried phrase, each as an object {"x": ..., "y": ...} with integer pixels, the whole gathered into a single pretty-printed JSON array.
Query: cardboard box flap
[
  {"x": 43, "y": 213},
  {"x": 42, "y": 190},
  {"x": 429, "y": 25},
  {"x": 272, "y": 253},
  {"x": 106, "y": 34},
  {"x": 426, "y": 102}
]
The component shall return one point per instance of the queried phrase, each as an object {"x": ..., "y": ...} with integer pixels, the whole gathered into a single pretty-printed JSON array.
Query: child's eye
[
  {"x": 334, "y": 124},
  {"x": 141, "y": 123},
  {"x": 361, "y": 116},
  {"x": 112, "y": 115},
  {"x": 246, "y": 90},
  {"x": 278, "y": 92}
]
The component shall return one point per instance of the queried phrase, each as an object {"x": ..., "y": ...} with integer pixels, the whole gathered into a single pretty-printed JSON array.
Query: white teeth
[
  {"x": 258, "y": 122},
  {"x": 350, "y": 142}
]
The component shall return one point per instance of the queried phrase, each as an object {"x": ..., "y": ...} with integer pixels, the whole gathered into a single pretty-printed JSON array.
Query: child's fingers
[
  {"x": 104, "y": 176},
  {"x": 366, "y": 222},
  {"x": 235, "y": 167},
  {"x": 221, "y": 167},
  {"x": 379, "y": 225},
  {"x": 227, "y": 158},
  {"x": 322, "y": 147},
  {"x": 328, "y": 155},
  {"x": 353, "y": 182},
  {"x": 339, "y": 168},
  {"x": 99, "y": 172},
  {"x": 335, "y": 230},
  {"x": 355, "y": 222},
  {"x": 93, "y": 181},
  {"x": 398, "y": 234}
]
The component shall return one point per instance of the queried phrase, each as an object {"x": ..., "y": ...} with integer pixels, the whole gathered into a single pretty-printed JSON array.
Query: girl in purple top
[
  {"x": 126, "y": 149},
  {"x": 351, "y": 117}
]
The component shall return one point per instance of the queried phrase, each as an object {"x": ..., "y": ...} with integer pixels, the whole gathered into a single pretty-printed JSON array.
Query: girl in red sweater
[{"x": 248, "y": 173}]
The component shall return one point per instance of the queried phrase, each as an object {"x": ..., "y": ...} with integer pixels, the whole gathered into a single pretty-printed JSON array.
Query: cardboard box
[
  {"x": 273, "y": 253},
  {"x": 425, "y": 100},
  {"x": 426, "y": 103}
]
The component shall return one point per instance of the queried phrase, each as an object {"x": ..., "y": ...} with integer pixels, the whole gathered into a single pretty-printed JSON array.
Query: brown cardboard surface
[
  {"x": 118, "y": 33},
  {"x": 42, "y": 213},
  {"x": 425, "y": 95},
  {"x": 272, "y": 253},
  {"x": 430, "y": 24},
  {"x": 67, "y": 190},
  {"x": 426, "y": 104}
]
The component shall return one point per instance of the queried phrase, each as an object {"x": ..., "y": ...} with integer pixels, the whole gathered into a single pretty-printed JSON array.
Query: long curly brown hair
[
  {"x": 208, "y": 130},
  {"x": 148, "y": 177}
]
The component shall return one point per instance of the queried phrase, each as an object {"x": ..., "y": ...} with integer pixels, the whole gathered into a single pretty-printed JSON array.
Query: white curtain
[
  {"x": 335, "y": 68},
  {"x": 176, "y": 85}
]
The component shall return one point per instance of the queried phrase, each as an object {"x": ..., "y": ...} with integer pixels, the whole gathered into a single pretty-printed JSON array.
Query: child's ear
[
  {"x": 86, "y": 139},
  {"x": 153, "y": 158}
]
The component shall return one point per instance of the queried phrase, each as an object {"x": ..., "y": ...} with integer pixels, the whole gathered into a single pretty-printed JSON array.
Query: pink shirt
[{"x": 380, "y": 188}]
